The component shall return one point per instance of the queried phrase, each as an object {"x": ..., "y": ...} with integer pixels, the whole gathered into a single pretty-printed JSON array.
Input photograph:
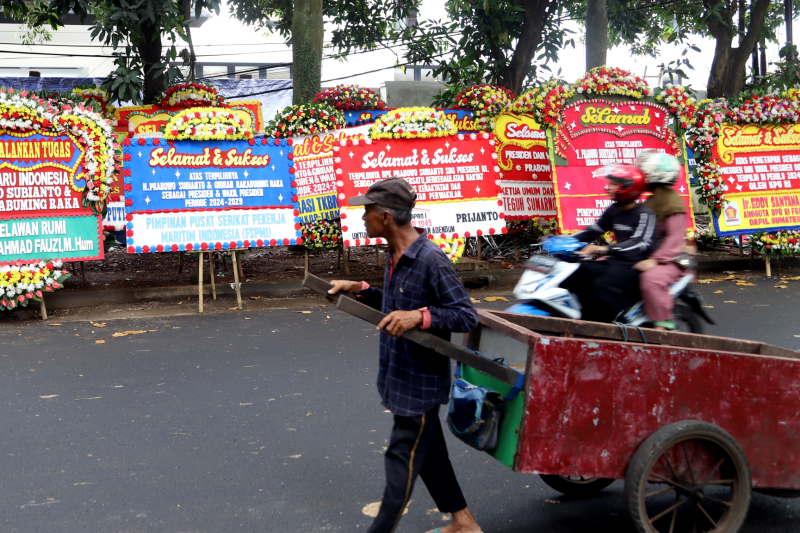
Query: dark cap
[{"x": 394, "y": 193}]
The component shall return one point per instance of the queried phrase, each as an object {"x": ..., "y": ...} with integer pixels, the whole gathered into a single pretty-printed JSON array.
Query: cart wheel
[
  {"x": 577, "y": 486},
  {"x": 688, "y": 476}
]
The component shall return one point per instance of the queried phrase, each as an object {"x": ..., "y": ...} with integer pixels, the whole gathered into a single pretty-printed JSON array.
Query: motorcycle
[{"x": 540, "y": 291}]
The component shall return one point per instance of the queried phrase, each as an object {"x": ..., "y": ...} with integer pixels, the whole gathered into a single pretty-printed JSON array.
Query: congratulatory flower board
[{"x": 200, "y": 195}]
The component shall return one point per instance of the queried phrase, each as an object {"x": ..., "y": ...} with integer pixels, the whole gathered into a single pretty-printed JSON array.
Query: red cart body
[{"x": 591, "y": 402}]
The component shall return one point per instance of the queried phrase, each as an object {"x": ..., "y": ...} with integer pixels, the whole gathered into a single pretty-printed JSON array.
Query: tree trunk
[
  {"x": 186, "y": 9},
  {"x": 729, "y": 66},
  {"x": 150, "y": 52},
  {"x": 308, "y": 31},
  {"x": 596, "y": 33},
  {"x": 536, "y": 15}
]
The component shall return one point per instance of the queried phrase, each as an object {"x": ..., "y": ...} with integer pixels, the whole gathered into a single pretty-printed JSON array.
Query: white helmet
[{"x": 659, "y": 168}]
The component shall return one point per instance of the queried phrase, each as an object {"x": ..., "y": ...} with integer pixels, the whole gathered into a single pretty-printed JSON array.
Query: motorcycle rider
[
  {"x": 661, "y": 270},
  {"x": 607, "y": 287}
]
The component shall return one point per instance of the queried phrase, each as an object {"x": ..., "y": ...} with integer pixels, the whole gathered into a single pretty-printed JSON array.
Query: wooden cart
[{"x": 692, "y": 423}]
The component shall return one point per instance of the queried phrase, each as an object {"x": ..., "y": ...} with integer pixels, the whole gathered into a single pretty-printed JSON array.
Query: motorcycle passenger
[
  {"x": 607, "y": 287},
  {"x": 661, "y": 270}
]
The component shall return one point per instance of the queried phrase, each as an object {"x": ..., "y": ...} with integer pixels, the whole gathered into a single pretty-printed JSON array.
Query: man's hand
[
  {"x": 343, "y": 285},
  {"x": 645, "y": 265},
  {"x": 398, "y": 322},
  {"x": 592, "y": 249}
]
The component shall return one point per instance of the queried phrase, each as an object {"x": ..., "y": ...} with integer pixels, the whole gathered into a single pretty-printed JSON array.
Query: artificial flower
[
  {"x": 306, "y": 119},
  {"x": 191, "y": 94},
  {"x": 349, "y": 98},
  {"x": 207, "y": 123},
  {"x": 412, "y": 123}
]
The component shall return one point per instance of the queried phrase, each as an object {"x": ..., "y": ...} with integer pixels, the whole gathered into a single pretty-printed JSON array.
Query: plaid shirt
[{"x": 413, "y": 379}]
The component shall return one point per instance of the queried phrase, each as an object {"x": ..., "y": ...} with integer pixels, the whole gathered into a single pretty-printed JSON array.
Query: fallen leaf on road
[
  {"x": 180, "y": 434},
  {"x": 797, "y": 335},
  {"x": 709, "y": 306},
  {"x": 103, "y": 342},
  {"x": 796, "y": 278},
  {"x": 717, "y": 292},
  {"x": 706, "y": 281},
  {"x": 303, "y": 312},
  {"x": 496, "y": 298},
  {"x": 248, "y": 318},
  {"x": 475, "y": 300},
  {"x": 327, "y": 316},
  {"x": 295, "y": 456},
  {"x": 232, "y": 308},
  {"x": 93, "y": 398},
  {"x": 126, "y": 333},
  {"x": 729, "y": 272},
  {"x": 84, "y": 483},
  {"x": 99, "y": 324},
  {"x": 781, "y": 287},
  {"x": 745, "y": 284},
  {"x": 245, "y": 404},
  {"x": 54, "y": 395},
  {"x": 55, "y": 324},
  {"x": 180, "y": 303},
  {"x": 730, "y": 301}
]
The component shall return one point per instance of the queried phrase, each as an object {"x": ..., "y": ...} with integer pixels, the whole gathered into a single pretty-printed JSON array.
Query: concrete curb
[{"x": 472, "y": 279}]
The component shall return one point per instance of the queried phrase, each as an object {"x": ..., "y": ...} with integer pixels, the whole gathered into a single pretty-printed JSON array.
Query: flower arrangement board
[
  {"x": 455, "y": 177},
  {"x": 524, "y": 160},
  {"x": 315, "y": 175},
  {"x": 151, "y": 118},
  {"x": 28, "y": 239},
  {"x": 761, "y": 165},
  {"x": 42, "y": 178},
  {"x": 462, "y": 118},
  {"x": 594, "y": 132},
  {"x": 114, "y": 220},
  {"x": 199, "y": 195}
]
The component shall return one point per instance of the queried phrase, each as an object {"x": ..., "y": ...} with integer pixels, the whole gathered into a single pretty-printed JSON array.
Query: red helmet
[{"x": 633, "y": 180}]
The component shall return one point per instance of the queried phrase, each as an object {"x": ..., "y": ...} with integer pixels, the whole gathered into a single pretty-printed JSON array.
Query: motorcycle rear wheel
[{"x": 686, "y": 320}]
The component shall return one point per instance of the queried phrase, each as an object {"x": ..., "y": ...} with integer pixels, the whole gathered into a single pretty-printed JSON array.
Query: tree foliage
[
  {"x": 489, "y": 41},
  {"x": 647, "y": 25},
  {"x": 134, "y": 29}
]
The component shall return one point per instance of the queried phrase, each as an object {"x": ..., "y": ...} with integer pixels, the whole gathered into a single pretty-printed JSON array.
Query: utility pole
[{"x": 787, "y": 6}]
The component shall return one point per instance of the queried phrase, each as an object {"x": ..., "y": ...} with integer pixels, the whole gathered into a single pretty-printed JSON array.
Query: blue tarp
[{"x": 277, "y": 93}]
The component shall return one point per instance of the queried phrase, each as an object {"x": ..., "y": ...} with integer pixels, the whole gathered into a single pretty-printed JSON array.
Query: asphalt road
[{"x": 264, "y": 421}]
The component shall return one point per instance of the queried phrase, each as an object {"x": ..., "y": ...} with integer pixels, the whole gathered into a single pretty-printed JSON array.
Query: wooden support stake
[
  {"x": 236, "y": 281},
  {"x": 200, "y": 281},
  {"x": 83, "y": 273},
  {"x": 741, "y": 245},
  {"x": 43, "y": 309},
  {"x": 751, "y": 255},
  {"x": 769, "y": 270},
  {"x": 211, "y": 271},
  {"x": 306, "y": 263},
  {"x": 241, "y": 269},
  {"x": 346, "y": 262},
  {"x": 180, "y": 262},
  {"x": 516, "y": 250}
]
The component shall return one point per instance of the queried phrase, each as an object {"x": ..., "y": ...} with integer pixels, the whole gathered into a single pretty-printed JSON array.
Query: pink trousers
[{"x": 655, "y": 290}]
